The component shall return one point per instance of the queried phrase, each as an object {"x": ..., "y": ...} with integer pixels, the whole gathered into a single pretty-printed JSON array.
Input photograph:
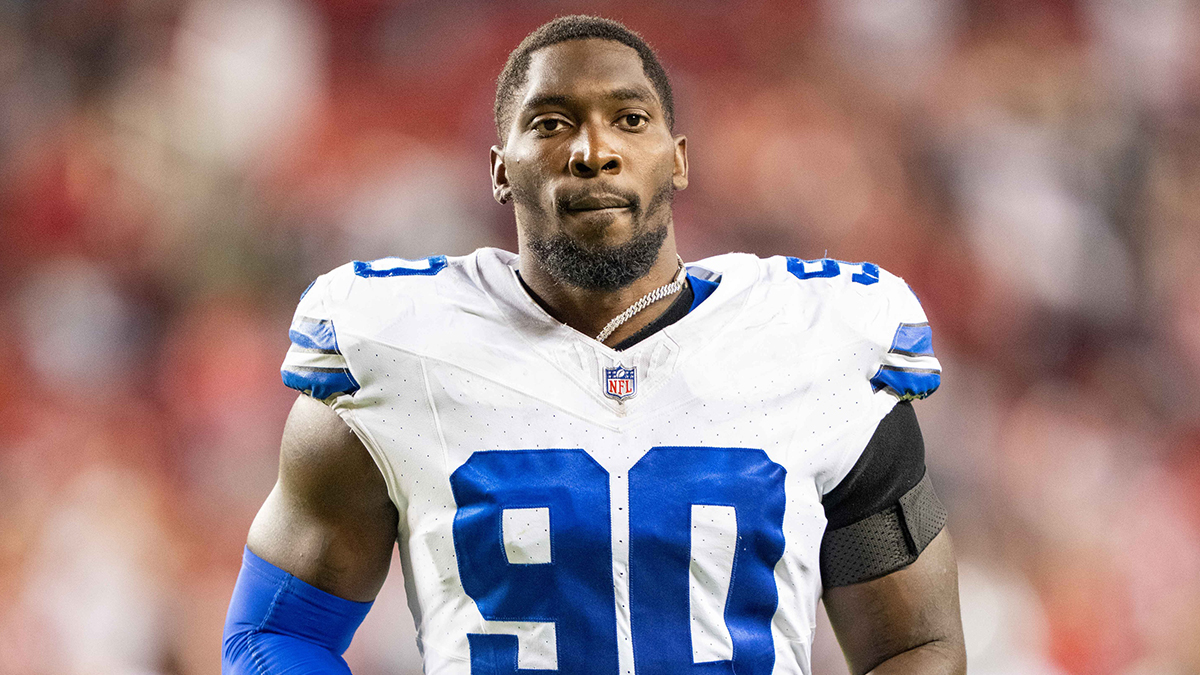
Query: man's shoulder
[
  {"x": 365, "y": 296},
  {"x": 859, "y": 306},
  {"x": 369, "y": 281},
  {"x": 857, "y": 290},
  {"x": 406, "y": 303}
]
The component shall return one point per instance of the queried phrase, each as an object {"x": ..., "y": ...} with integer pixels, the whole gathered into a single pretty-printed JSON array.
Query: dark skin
[
  {"x": 905, "y": 622},
  {"x": 587, "y": 118},
  {"x": 588, "y": 122},
  {"x": 329, "y": 520}
]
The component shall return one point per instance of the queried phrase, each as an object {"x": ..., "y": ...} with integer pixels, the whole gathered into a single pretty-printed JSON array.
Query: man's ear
[
  {"x": 680, "y": 177},
  {"x": 501, "y": 190}
]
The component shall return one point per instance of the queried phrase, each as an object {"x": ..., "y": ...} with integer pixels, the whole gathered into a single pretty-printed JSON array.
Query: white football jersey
[{"x": 565, "y": 506}]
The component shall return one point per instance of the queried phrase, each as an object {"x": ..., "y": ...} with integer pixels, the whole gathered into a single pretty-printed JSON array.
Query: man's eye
[
  {"x": 548, "y": 125},
  {"x": 633, "y": 120}
]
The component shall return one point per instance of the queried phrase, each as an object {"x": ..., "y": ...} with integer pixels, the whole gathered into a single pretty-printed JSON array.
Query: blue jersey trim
[
  {"x": 315, "y": 334},
  {"x": 907, "y": 382},
  {"x": 913, "y": 339},
  {"x": 320, "y": 383},
  {"x": 701, "y": 289}
]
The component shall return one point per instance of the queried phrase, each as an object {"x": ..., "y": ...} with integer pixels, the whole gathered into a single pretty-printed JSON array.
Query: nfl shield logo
[{"x": 620, "y": 382}]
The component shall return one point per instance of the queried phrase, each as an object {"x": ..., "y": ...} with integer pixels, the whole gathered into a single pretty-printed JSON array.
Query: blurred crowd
[{"x": 173, "y": 173}]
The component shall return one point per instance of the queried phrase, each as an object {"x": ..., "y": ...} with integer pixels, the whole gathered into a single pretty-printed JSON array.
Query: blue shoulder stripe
[
  {"x": 320, "y": 383},
  {"x": 907, "y": 382},
  {"x": 913, "y": 339},
  {"x": 315, "y": 334}
]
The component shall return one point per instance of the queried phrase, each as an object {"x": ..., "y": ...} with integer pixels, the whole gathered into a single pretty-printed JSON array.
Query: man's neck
[{"x": 589, "y": 311}]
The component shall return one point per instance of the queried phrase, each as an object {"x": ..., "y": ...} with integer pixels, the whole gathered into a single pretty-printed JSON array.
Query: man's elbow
[{"x": 946, "y": 656}]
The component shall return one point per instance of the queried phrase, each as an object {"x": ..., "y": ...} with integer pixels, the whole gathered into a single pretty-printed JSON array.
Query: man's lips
[{"x": 596, "y": 203}]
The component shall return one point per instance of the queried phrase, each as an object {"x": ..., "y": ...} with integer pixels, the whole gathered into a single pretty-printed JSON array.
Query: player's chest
[
  {"x": 756, "y": 388},
  {"x": 618, "y": 411}
]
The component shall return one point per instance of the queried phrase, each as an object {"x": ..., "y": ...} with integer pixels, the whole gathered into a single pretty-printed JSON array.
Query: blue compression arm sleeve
[{"x": 278, "y": 624}]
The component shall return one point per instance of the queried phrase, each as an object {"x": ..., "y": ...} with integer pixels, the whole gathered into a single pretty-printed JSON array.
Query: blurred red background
[{"x": 174, "y": 173}]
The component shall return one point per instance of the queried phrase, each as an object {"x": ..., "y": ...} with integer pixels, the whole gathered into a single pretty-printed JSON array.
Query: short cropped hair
[{"x": 575, "y": 27}]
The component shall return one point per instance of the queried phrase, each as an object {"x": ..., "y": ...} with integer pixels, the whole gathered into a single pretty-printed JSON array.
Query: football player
[{"x": 597, "y": 459}]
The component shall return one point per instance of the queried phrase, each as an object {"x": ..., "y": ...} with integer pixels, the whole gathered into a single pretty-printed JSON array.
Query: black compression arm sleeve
[{"x": 884, "y": 512}]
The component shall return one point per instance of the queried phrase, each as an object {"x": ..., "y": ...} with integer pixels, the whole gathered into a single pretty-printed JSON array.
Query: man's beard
[{"x": 607, "y": 268}]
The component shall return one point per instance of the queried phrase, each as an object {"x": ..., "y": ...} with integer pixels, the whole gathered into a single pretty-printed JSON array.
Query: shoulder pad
[
  {"x": 351, "y": 293},
  {"x": 880, "y": 306}
]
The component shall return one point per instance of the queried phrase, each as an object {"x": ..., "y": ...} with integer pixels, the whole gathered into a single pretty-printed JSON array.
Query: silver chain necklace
[{"x": 645, "y": 301}]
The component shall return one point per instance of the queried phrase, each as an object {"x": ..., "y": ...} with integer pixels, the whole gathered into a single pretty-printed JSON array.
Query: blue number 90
[{"x": 574, "y": 589}]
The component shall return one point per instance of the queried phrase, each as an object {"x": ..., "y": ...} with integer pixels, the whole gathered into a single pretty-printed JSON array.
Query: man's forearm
[{"x": 939, "y": 657}]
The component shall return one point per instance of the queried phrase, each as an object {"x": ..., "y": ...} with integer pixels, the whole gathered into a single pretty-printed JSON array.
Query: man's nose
[{"x": 592, "y": 154}]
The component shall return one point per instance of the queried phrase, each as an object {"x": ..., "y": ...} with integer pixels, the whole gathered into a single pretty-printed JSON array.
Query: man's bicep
[
  {"x": 890, "y": 580},
  {"x": 915, "y": 607},
  {"x": 884, "y": 513},
  {"x": 329, "y": 520}
]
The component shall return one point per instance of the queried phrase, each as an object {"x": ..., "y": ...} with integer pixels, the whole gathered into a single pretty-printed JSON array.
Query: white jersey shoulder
[
  {"x": 872, "y": 305},
  {"x": 848, "y": 303},
  {"x": 364, "y": 298}
]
